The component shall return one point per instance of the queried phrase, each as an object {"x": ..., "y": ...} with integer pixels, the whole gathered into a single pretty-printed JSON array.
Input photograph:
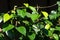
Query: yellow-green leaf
[
  {"x": 13, "y": 11},
  {"x": 32, "y": 8},
  {"x": 45, "y": 14},
  {"x": 47, "y": 26},
  {"x": 6, "y": 17},
  {"x": 26, "y": 4}
]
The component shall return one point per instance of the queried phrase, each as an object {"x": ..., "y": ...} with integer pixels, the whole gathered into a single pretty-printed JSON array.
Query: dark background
[{"x": 6, "y": 5}]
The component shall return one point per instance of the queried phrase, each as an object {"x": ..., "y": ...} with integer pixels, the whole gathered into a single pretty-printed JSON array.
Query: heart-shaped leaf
[
  {"x": 6, "y": 17},
  {"x": 34, "y": 16},
  {"x": 32, "y": 37},
  {"x": 22, "y": 30},
  {"x": 21, "y": 13}
]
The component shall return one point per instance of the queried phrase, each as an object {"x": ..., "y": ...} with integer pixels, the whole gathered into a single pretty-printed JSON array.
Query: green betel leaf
[
  {"x": 6, "y": 17},
  {"x": 53, "y": 16},
  {"x": 45, "y": 14},
  {"x": 58, "y": 28},
  {"x": 28, "y": 14},
  {"x": 32, "y": 8},
  {"x": 47, "y": 26},
  {"x": 48, "y": 22},
  {"x": 32, "y": 36},
  {"x": 55, "y": 36},
  {"x": 21, "y": 13},
  {"x": 22, "y": 30},
  {"x": 7, "y": 28},
  {"x": 26, "y": 22},
  {"x": 34, "y": 16},
  {"x": 26, "y": 4},
  {"x": 50, "y": 33}
]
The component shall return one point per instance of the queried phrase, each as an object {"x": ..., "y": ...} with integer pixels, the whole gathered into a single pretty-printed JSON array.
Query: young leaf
[
  {"x": 7, "y": 28},
  {"x": 32, "y": 8},
  {"x": 22, "y": 30},
  {"x": 45, "y": 14},
  {"x": 26, "y": 4},
  {"x": 47, "y": 26},
  {"x": 6, "y": 17},
  {"x": 13, "y": 11}
]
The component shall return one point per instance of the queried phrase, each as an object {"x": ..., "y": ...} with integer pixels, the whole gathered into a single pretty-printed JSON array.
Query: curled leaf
[{"x": 45, "y": 14}]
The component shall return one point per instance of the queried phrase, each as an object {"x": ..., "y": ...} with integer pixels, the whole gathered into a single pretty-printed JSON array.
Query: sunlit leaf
[
  {"x": 6, "y": 17},
  {"x": 47, "y": 26},
  {"x": 13, "y": 11},
  {"x": 26, "y": 4},
  {"x": 45, "y": 14}
]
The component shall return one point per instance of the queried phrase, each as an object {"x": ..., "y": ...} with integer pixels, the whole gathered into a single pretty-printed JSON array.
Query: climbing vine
[{"x": 19, "y": 24}]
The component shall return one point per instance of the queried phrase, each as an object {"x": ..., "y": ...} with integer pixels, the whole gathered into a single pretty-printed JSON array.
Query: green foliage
[
  {"x": 56, "y": 36},
  {"x": 23, "y": 25},
  {"x": 7, "y": 28},
  {"x": 21, "y": 13},
  {"x": 34, "y": 16},
  {"x": 32, "y": 36},
  {"x": 22, "y": 30}
]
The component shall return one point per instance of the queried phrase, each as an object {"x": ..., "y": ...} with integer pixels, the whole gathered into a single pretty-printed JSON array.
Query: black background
[{"x": 6, "y": 5}]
